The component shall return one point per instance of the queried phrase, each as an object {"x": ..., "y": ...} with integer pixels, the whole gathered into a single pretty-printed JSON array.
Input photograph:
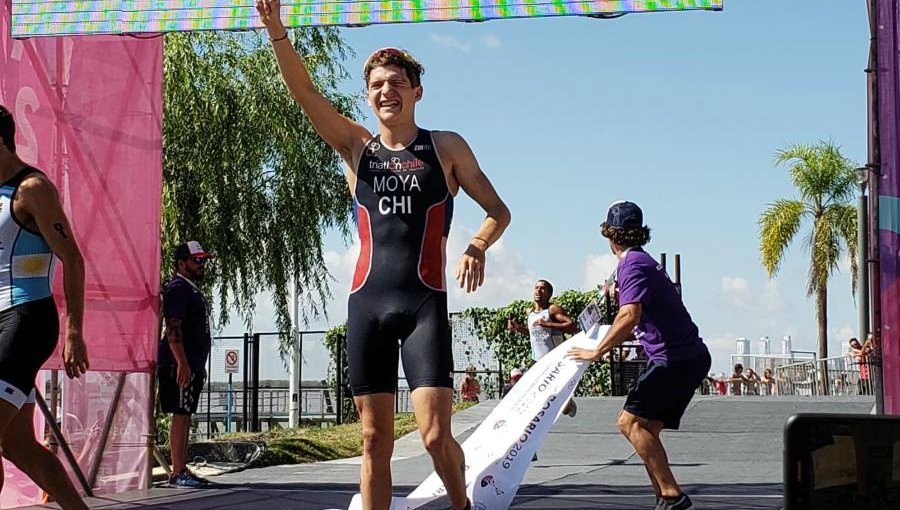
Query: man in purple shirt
[{"x": 651, "y": 310}]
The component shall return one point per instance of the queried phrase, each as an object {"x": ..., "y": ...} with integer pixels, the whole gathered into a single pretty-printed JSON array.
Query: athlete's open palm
[
  {"x": 269, "y": 11},
  {"x": 75, "y": 355}
]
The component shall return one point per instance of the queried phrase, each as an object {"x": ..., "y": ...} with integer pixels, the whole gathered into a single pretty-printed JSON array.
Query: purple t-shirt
[{"x": 665, "y": 330}]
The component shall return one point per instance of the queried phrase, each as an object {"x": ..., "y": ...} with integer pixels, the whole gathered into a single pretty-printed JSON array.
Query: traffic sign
[{"x": 232, "y": 359}]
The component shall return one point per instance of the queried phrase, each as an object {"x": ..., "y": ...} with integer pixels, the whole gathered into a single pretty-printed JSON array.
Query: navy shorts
[
  {"x": 382, "y": 331},
  {"x": 174, "y": 399},
  {"x": 664, "y": 390},
  {"x": 28, "y": 336}
]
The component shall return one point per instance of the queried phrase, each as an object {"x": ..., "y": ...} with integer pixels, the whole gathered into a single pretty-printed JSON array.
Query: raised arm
[
  {"x": 344, "y": 135},
  {"x": 40, "y": 199},
  {"x": 465, "y": 171}
]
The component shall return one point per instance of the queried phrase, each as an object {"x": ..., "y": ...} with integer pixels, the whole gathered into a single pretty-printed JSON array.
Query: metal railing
[
  {"x": 838, "y": 376},
  {"x": 214, "y": 416}
]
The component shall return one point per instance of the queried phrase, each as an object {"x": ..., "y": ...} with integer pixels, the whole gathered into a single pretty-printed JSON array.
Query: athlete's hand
[
  {"x": 183, "y": 375},
  {"x": 513, "y": 325},
  {"x": 270, "y": 16},
  {"x": 470, "y": 270},
  {"x": 581, "y": 354},
  {"x": 74, "y": 354}
]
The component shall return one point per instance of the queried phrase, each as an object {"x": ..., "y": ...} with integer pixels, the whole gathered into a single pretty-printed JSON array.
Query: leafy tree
[
  {"x": 245, "y": 172},
  {"x": 827, "y": 184},
  {"x": 513, "y": 349},
  {"x": 335, "y": 338}
]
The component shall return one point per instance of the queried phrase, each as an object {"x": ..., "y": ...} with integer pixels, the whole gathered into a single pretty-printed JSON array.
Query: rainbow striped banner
[{"x": 63, "y": 17}]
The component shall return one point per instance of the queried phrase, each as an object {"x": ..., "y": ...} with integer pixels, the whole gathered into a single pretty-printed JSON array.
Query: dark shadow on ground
[{"x": 300, "y": 496}]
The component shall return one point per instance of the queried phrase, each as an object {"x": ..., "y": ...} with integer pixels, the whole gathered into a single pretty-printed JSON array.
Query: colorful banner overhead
[{"x": 54, "y": 17}]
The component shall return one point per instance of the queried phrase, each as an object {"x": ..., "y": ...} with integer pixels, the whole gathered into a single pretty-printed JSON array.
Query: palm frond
[
  {"x": 845, "y": 220},
  {"x": 825, "y": 252},
  {"x": 838, "y": 171},
  {"x": 803, "y": 161},
  {"x": 778, "y": 225}
]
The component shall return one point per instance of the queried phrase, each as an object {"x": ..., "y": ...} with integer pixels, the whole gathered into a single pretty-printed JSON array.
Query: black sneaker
[
  {"x": 203, "y": 481},
  {"x": 682, "y": 502},
  {"x": 467, "y": 507}
]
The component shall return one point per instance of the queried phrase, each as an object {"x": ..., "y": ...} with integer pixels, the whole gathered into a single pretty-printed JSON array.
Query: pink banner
[
  {"x": 89, "y": 114},
  {"x": 87, "y": 405}
]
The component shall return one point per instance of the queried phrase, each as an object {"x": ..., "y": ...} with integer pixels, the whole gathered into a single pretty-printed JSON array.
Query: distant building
[{"x": 764, "y": 346}]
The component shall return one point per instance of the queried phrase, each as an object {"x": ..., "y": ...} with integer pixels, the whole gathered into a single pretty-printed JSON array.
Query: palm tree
[{"x": 827, "y": 185}]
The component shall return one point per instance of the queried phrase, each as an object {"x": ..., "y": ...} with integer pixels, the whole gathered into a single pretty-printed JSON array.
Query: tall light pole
[
  {"x": 862, "y": 287},
  {"x": 862, "y": 254}
]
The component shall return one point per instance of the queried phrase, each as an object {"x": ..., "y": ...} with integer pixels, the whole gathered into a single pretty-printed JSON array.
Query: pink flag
[{"x": 89, "y": 114}]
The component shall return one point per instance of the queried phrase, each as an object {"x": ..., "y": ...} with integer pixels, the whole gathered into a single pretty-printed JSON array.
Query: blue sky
[{"x": 679, "y": 112}]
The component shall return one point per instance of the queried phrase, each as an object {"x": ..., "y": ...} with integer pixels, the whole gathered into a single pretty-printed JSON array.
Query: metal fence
[
  {"x": 220, "y": 411},
  {"x": 256, "y": 395},
  {"x": 843, "y": 375}
]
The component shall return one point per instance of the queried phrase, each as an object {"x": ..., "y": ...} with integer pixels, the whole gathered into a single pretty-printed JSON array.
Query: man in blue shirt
[
  {"x": 183, "y": 351},
  {"x": 651, "y": 310}
]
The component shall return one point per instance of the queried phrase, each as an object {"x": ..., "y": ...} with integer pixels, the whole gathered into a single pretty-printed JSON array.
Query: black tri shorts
[
  {"x": 28, "y": 336},
  {"x": 174, "y": 399},
  {"x": 412, "y": 326},
  {"x": 664, "y": 390}
]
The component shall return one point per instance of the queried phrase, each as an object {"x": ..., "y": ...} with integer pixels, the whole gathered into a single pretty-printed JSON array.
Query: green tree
[
  {"x": 245, "y": 172},
  {"x": 827, "y": 184},
  {"x": 513, "y": 349}
]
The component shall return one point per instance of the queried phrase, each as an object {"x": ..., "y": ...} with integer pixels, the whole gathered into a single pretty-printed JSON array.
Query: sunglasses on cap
[{"x": 200, "y": 260}]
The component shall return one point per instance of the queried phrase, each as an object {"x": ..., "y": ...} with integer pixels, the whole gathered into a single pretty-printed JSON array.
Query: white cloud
[
  {"x": 448, "y": 41},
  {"x": 597, "y": 268},
  {"x": 737, "y": 294},
  {"x": 490, "y": 41},
  {"x": 736, "y": 291},
  {"x": 506, "y": 277}
]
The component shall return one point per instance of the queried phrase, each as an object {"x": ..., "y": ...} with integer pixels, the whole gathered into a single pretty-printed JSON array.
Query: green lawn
[{"x": 300, "y": 445}]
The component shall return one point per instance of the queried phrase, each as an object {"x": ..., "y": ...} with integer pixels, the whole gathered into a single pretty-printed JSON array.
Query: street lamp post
[
  {"x": 862, "y": 254},
  {"x": 862, "y": 282}
]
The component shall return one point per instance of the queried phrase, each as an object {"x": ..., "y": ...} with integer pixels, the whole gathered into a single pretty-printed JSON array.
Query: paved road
[{"x": 727, "y": 455}]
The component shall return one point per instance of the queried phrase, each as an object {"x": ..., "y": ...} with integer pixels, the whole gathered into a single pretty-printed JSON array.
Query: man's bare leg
[
  {"x": 433, "y": 407},
  {"x": 178, "y": 438},
  {"x": 643, "y": 434},
  {"x": 22, "y": 449},
  {"x": 376, "y": 412}
]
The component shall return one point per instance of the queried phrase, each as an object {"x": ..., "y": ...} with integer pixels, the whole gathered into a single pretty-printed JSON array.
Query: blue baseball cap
[{"x": 624, "y": 214}]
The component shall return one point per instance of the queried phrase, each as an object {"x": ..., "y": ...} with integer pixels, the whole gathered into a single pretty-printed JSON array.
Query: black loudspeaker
[{"x": 841, "y": 462}]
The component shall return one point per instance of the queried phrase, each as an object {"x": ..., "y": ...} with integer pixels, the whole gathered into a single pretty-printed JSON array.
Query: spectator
[
  {"x": 737, "y": 380},
  {"x": 721, "y": 385},
  {"x": 707, "y": 385},
  {"x": 751, "y": 382},
  {"x": 514, "y": 376},
  {"x": 768, "y": 383},
  {"x": 182, "y": 354},
  {"x": 470, "y": 388},
  {"x": 860, "y": 354}
]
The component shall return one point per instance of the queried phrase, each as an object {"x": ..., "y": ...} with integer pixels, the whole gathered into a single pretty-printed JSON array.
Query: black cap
[
  {"x": 624, "y": 214},
  {"x": 190, "y": 249}
]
